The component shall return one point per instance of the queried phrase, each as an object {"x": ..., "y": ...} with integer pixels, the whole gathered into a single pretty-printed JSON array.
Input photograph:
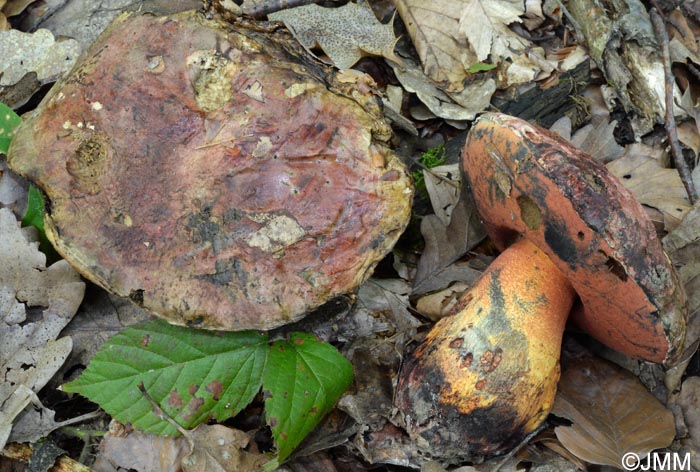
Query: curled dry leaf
[
  {"x": 463, "y": 106},
  {"x": 612, "y": 413},
  {"x": 36, "y": 303},
  {"x": 440, "y": 304},
  {"x": 443, "y": 184},
  {"x": 445, "y": 244},
  {"x": 434, "y": 30},
  {"x": 653, "y": 185},
  {"x": 345, "y": 33}
]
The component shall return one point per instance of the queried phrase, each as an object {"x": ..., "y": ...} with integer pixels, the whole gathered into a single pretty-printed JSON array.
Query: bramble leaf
[
  {"x": 193, "y": 375},
  {"x": 303, "y": 380}
]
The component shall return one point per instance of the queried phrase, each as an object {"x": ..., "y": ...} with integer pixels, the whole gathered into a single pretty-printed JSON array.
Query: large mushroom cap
[
  {"x": 536, "y": 185},
  {"x": 210, "y": 173}
]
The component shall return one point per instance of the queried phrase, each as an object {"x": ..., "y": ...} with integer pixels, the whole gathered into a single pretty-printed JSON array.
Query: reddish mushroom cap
[
  {"x": 214, "y": 174},
  {"x": 528, "y": 182}
]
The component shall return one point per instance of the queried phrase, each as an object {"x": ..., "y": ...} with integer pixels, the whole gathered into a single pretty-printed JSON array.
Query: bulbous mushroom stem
[{"x": 486, "y": 376}]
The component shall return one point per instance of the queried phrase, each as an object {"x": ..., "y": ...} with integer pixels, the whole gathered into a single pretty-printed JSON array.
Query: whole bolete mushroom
[
  {"x": 486, "y": 376},
  {"x": 215, "y": 174}
]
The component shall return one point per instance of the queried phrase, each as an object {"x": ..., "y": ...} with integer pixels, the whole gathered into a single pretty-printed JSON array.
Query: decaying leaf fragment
[
  {"x": 345, "y": 33},
  {"x": 216, "y": 180},
  {"x": 652, "y": 184},
  {"x": 36, "y": 302},
  {"x": 37, "y": 52},
  {"x": 612, "y": 414}
]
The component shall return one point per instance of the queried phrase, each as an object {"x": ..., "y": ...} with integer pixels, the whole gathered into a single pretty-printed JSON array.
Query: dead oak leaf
[
  {"x": 345, "y": 33},
  {"x": 434, "y": 31},
  {"x": 612, "y": 413},
  {"x": 36, "y": 303},
  {"x": 485, "y": 25}
]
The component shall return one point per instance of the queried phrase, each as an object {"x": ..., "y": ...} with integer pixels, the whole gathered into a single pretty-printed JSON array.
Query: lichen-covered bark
[
  {"x": 528, "y": 181},
  {"x": 213, "y": 174}
]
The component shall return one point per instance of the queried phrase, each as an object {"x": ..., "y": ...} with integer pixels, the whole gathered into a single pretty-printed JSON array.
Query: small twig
[
  {"x": 572, "y": 20},
  {"x": 261, "y": 9},
  {"x": 693, "y": 70},
  {"x": 163, "y": 415},
  {"x": 671, "y": 130},
  {"x": 517, "y": 448}
]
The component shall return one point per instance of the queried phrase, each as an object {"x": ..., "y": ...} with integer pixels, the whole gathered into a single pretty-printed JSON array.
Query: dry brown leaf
[
  {"x": 598, "y": 141},
  {"x": 438, "y": 305},
  {"x": 463, "y": 106},
  {"x": 37, "y": 52},
  {"x": 612, "y": 414},
  {"x": 453, "y": 36},
  {"x": 688, "y": 134},
  {"x": 443, "y": 184},
  {"x": 13, "y": 191},
  {"x": 683, "y": 42},
  {"x": 125, "y": 450},
  {"x": 683, "y": 247},
  {"x": 14, "y": 7},
  {"x": 445, "y": 244},
  {"x": 36, "y": 303},
  {"x": 345, "y": 33},
  {"x": 434, "y": 30},
  {"x": 688, "y": 400},
  {"x": 221, "y": 449},
  {"x": 652, "y": 184}
]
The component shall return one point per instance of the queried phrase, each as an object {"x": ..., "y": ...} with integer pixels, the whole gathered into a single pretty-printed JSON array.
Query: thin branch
[
  {"x": 261, "y": 9},
  {"x": 671, "y": 130}
]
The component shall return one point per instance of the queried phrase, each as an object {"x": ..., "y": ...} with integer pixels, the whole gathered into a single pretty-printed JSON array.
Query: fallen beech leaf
[
  {"x": 36, "y": 303},
  {"x": 653, "y": 185},
  {"x": 612, "y": 414},
  {"x": 345, "y": 33},
  {"x": 37, "y": 52}
]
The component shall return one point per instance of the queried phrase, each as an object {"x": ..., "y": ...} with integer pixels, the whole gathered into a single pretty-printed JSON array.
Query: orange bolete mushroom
[{"x": 485, "y": 377}]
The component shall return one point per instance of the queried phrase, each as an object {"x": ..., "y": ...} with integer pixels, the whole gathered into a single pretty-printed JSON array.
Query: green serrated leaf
[
  {"x": 9, "y": 121},
  {"x": 303, "y": 380},
  {"x": 193, "y": 375}
]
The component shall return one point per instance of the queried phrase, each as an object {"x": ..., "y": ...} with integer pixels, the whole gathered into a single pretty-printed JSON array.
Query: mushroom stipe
[{"x": 486, "y": 376}]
